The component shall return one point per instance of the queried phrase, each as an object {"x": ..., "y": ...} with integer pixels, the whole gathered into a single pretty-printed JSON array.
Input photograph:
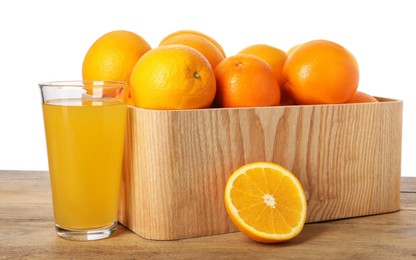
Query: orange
[
  {"x": 196, "y": 33},
  {"x": 361, "y": 97},
  {"x": 266, "y": 202},
  {"x": 173, "y": 77},
  {"x": 276, "y": 59},
  {"x": 113, "y": 56},
  {"x": 292, "y": 49},
  {"x": 201, "y": 44},
  {"x": 109, "y": 89},
  {"x": 245, "y": 81},
  {"x": 321, "y": 72},
  {"x": 271, "y": 55}
]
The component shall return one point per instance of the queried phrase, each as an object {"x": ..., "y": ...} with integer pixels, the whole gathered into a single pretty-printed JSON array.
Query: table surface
[{"x": 27, "y": 231}]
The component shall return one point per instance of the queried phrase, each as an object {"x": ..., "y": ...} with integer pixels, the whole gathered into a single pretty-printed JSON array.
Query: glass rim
[{"x": 83, "y": 83}]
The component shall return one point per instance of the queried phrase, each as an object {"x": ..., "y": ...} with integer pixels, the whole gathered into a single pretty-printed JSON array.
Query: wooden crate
[{"x": 347, "y": 157}]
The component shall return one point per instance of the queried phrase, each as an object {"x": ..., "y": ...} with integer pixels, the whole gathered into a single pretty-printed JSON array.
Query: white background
[{"x": 47, "y": 40}]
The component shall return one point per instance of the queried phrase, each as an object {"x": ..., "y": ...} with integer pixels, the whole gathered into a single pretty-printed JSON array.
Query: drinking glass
[{"x": 85, "y": 125}]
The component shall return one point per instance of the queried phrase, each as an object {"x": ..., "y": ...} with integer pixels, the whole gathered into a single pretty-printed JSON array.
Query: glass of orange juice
[{"x": 85, "y": 125}]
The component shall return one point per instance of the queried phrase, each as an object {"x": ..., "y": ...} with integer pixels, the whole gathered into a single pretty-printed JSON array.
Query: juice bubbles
[{"x": 85, "y": 141}]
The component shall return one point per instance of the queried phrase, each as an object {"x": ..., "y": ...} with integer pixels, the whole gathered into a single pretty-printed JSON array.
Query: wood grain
[
  {"x": 347, "y": 158},
  {"x": 27, "y": 195},
  {"x": 27, "y": 232},
  {"x": 408, "y": 184}
]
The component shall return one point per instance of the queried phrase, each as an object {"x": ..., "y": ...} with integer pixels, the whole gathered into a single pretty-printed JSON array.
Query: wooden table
[{"x": 27, "y": 231}]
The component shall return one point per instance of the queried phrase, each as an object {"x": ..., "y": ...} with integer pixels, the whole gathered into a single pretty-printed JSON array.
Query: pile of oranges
[{"x": 190, "y": 70}]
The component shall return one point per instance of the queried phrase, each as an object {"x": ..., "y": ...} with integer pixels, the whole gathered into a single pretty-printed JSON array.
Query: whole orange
[
  {"x": 276, "y": 58},
  {"x": 271, "y": 55},
  {"x": 200, "y": 43},
  {"x": 292, "y": 49},
  {"x": 113, "y": 56},
  {"x": 245, "y": 81},
  {"x": 195, "y": 33},
  {"x": 321, "y": 72},
  {"x": 173, "y": 77},
  {"x": 361, "y": 97}
]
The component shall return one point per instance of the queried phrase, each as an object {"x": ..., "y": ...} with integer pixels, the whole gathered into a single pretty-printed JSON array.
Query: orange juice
[{"x": 85, "y": 142}]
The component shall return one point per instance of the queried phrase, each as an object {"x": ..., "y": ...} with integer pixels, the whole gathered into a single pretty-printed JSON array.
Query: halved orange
[{"x": 266, "y": 202}]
